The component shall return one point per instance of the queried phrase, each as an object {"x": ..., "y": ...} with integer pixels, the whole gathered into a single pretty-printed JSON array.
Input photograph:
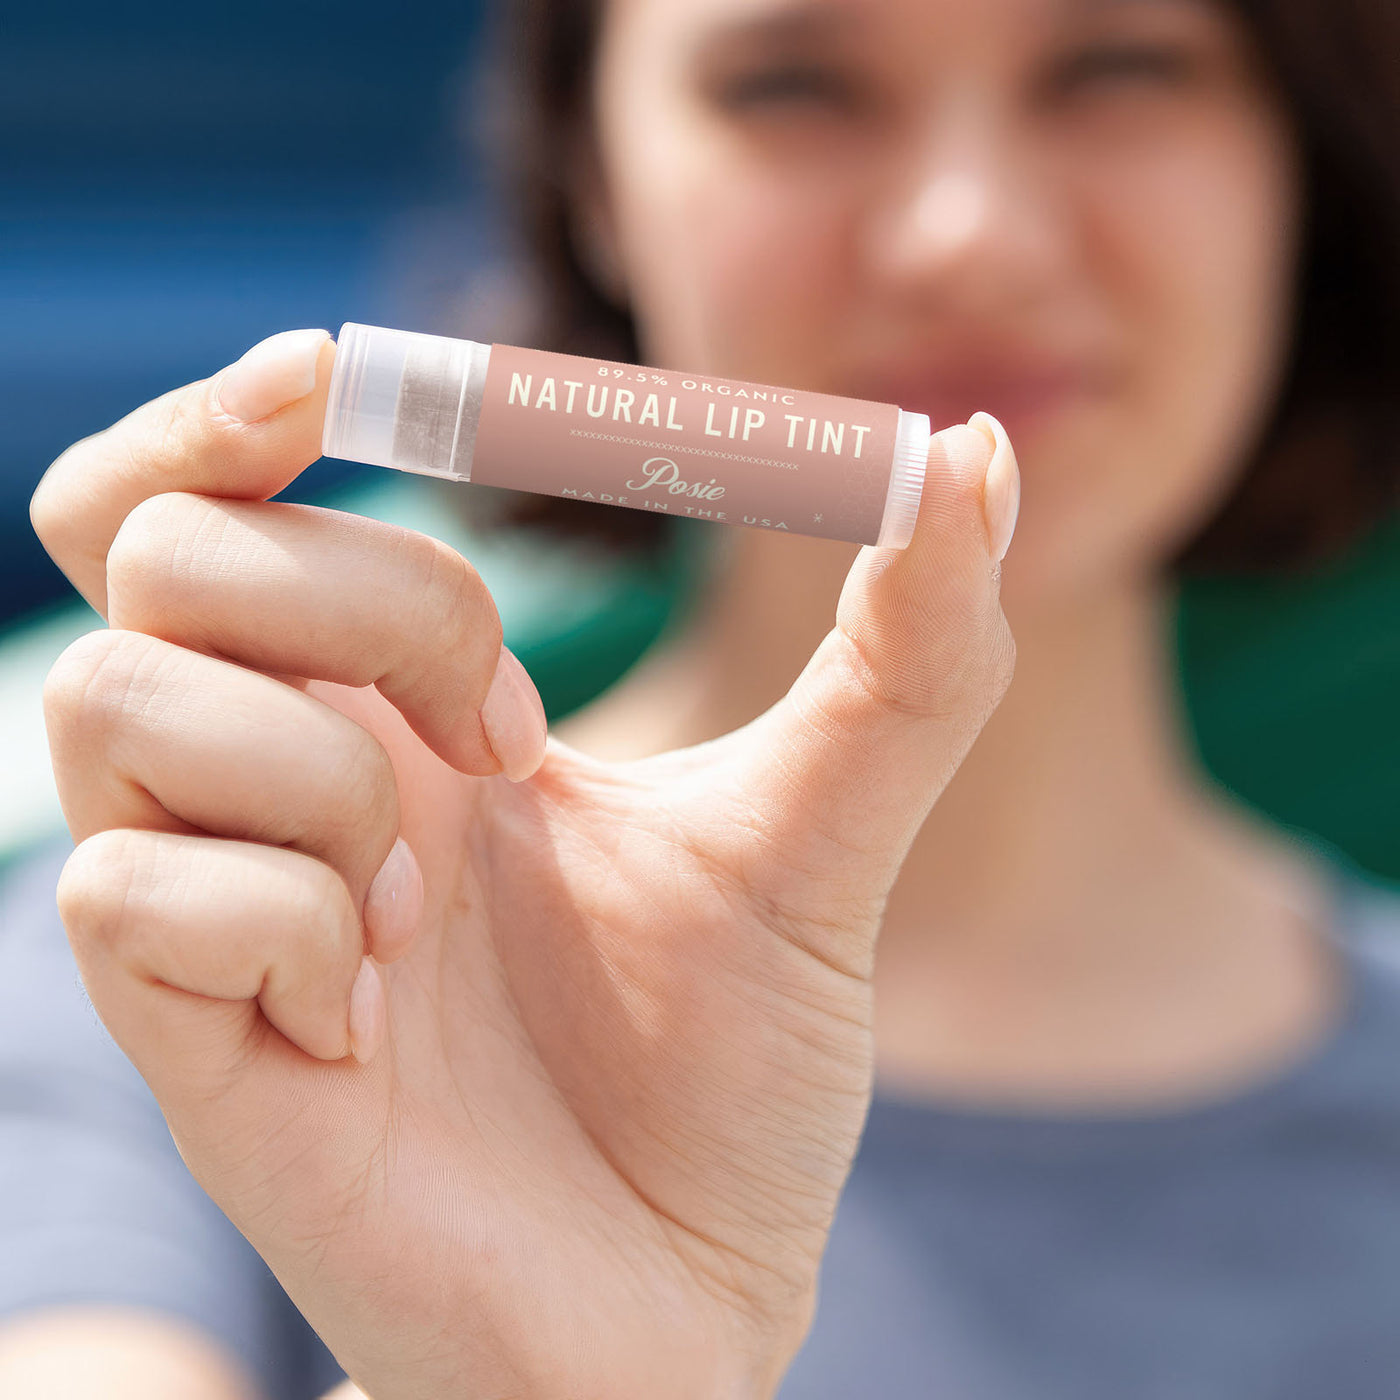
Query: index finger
[{"x": 246, "y": 432}]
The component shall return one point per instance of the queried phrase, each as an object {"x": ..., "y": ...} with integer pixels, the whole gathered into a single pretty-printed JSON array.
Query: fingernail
[
  {"x": 275, "y": 372},
  {"x": 514, "y": 720},
  {"x": 366, "y": 1012},
  {"x": 1001, "y": 489},
  {"x": 394, "y": 904}
]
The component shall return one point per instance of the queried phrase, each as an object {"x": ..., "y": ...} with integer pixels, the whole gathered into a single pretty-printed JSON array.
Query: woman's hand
[{"x": 616, "y": 1038}]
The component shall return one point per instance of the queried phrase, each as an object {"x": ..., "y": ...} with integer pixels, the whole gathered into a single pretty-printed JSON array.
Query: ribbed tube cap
[
  {"x": 911, "y": 446},
  {"x": 404, "y": 399}
]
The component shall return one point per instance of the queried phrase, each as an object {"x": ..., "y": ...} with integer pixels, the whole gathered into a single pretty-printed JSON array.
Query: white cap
[
  {"x": 405, "y": 399},
  {"x": 911, "y": 444}
]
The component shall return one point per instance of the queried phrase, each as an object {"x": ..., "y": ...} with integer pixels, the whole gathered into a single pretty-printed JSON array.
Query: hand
[{"x": 615, "y": 1019}]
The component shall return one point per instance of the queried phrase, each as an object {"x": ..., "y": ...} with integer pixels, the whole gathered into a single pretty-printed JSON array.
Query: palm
[
  {"x": 612, "y": 1070},
  {"x": 628, "y": 1056}
]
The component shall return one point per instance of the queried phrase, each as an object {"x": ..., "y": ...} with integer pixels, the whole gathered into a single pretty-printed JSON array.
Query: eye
[
  {"x": 1124, "y": 65},
  {"x": 788, "y": 84}
]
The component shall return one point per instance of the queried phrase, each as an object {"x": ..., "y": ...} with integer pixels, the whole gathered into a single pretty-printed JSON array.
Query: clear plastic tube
[{"x": 697, "y": 445}]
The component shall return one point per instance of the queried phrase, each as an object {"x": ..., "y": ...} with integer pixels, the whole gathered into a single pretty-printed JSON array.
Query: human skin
[
  {"x": 1078, "y": 920},
  {"x": 560, "y": 1102},
  {"x": 1085, "y": 218},
  {"x": 104, "y": 1353}
]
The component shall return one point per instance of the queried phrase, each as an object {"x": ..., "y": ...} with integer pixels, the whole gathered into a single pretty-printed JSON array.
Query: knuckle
[
  {"x": 49, "y": 513},
  {"x": 900, "y": 696},
  {"x": 331, "y": 926},
  {"x": 951, "y": 672},
  {"x": 177, "y": 420},
  {"x": 68, "y": 683},
  {"x": 362, "y": 795},
  {"x": 151, "y": 521},
  {"x": 94, "y": 679},
  {"x": 100, "y": 887},
  {"x": 162, "y": 430},
  {"x": 456, "y": 601},
  {"x": 151, "y": 553},
  {"x": 309, "y": 969}
]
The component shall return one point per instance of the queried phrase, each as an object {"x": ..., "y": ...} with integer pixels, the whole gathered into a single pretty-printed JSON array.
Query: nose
[{"x": 971, "y": 218}]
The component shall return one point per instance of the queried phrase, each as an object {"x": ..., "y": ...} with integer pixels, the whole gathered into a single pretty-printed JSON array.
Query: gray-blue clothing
[
  {"x": 1248, "y": 1249},
  {"x": 95, "y": 1203}
]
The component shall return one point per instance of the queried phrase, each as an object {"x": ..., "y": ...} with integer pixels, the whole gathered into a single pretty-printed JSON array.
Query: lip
[{"x": 1021, "y": 396}]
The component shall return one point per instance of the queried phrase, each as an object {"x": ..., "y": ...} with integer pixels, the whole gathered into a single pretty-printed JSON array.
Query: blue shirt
[{"x": 1245, "y": 1249}]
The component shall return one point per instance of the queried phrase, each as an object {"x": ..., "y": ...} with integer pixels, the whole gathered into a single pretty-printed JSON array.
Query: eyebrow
[
  {"x": 821, "y": 17},
  {"x": 781, "y": 24}
]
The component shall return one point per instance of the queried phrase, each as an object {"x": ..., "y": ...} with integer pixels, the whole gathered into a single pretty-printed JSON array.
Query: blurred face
[{"x": 1079, "y": 215}]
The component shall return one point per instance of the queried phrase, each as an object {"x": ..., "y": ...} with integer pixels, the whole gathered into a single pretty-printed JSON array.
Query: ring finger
[{"x": 188, "y": 743}]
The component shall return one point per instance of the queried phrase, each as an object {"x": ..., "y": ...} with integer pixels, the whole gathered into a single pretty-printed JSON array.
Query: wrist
[{"x": 755, "y": 1371}]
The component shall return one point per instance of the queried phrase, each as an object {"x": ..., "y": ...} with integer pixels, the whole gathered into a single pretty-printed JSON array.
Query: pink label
[{"x": 687, "y": 444}]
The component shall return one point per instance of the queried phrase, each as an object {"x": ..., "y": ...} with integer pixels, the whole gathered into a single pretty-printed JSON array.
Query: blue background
[{"x": 179, "y": 181}]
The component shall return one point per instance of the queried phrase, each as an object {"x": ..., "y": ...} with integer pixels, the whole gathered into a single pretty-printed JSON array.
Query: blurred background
[{"x": 184, "y": 180}]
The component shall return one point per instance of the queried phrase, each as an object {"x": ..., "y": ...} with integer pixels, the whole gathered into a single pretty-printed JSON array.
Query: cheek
[
  {"x": 1215, "y": 267},
  {"x": 729, "y": 268},
  {"x": 1198, "y": 249}
]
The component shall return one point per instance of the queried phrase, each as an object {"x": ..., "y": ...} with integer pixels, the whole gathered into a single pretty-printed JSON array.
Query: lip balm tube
[{"x": 694, "y": 445}]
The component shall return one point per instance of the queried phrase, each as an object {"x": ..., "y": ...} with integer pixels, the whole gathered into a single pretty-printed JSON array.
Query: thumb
[{"x": 840, "y": 774}]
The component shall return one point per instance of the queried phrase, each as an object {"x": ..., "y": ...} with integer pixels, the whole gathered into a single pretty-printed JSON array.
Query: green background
[{"x": 1290, "y": 684}]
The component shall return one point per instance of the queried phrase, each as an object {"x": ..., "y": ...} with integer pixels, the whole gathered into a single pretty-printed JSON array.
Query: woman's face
[{"x": 1080, "y": 215}]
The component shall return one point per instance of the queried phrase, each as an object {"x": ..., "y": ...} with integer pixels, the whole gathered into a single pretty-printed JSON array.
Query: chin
[
  {"x": 1093, "y": 517},
  {"x": 1064, "y": 553}
]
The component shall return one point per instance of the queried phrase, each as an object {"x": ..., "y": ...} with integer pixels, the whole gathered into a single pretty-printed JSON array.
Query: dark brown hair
[{"x": 1327, "y": 467}]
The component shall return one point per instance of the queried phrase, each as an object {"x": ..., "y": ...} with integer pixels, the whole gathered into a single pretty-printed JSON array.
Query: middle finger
[{"x": 305, "y": 591}]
